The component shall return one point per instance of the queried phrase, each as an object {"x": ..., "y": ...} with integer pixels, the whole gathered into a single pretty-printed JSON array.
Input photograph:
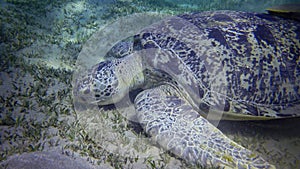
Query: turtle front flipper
[{"x": 175, "y": 126}]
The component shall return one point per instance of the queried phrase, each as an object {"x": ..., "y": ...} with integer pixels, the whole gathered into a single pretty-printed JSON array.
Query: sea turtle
[{"x": 190, "y": 67}]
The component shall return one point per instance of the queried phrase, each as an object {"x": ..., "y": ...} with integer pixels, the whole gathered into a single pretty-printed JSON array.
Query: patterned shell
[{"x": 251, "y": 61}]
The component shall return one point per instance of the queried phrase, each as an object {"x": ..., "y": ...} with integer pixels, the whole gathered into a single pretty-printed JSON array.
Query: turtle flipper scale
[{"x": 177, "y": 127}]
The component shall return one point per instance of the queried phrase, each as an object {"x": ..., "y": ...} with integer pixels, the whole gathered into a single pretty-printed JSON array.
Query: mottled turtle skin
[{"x": 235, "y": 65}]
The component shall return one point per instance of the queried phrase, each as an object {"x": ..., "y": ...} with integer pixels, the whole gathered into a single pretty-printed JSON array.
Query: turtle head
[
  {"x": 101, "y": 85},
  {"x": 107, "y": 82}
]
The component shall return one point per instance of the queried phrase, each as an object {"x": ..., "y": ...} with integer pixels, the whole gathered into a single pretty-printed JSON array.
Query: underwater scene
[{"x": 149, "y": 84}]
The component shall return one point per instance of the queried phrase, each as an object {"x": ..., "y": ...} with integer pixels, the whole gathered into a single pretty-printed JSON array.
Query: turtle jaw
[{"x": 105, "y": 97}]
